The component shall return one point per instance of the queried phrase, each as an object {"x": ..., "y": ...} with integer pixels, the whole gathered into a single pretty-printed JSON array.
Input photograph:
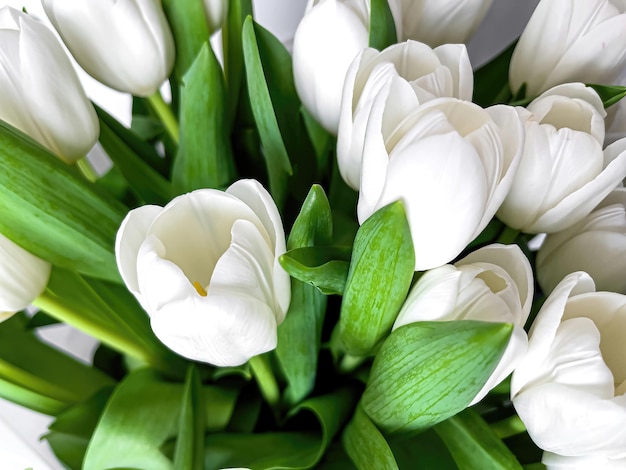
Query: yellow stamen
[{"x": 199, "y": 288}]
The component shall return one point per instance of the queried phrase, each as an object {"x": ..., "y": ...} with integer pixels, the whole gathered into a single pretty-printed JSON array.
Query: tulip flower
[
  {"x": 596, "y": 245},
  {"x": 564, "y": 173},
  {"x": 441, "y": 22},
  {"x": 326, "y": 42},
  {"x": 569, "y": 390},
  {"x": 492, "y": 284},
  {"x": 125, "y": 44},
  {"x": 412, "y": 73},
  {"x": 215, "y": 12},
  {"x": 451, "y": 163},
  {"x": 33, "y": 65},
  {"x": 570, "y": 41},
  {"x": 23, "y": 277},
  {"x": 205, "y": 268}
]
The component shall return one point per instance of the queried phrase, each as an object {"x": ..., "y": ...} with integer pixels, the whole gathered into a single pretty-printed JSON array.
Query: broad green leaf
[
  {"x": 365, "y": 444},
  {"x": 189, "y": 452},
  {"x": 324, "y": 267},
  {"x": 141, "y": 415},
  {"x": 50, "y": 210},
  {"x": 219, "y": 403},
  {"x": 609, "y": 94},
  {"x": 381, "y": 270},
  {"x": 473, "y": 444},
  {"x": 491, "y": 81},
  {"x": 426, "y": 372},
  {"x": 146, "y": 183},
  {"x": 422, "y": 450},
  {"x": 204, "y": 158},
  {"x": 299, "y": 336},
  {"x": 382, "y": 25}
]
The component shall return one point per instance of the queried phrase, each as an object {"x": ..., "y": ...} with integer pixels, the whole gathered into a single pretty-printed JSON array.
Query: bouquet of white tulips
[{"x": 357, "y": 251}]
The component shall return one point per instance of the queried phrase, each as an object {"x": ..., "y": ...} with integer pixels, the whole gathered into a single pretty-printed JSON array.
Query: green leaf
[
  {"x": 473, "y": 444},
  {"x": 426, "y": 372},
  {"x": 383, "y": 262},
  {"x": 491, "y": 81},
  {"x": 204, "y": 158},
  {"x": 51, "y": 211},
  {"x": 265, "y": 116},
  {"x": 314, "y": 224},
  {"x": 365, "y": 445},
  {"x": 324, "y": 267},
  {"x": 29, "y": 399},
  {"x": 141, "y": 415},
  {"x": 609, "y": 94},
  {"x": 189, "y": 452},
  {"x": 423, "y": 450},
  {"x": 146, "y": 183},
  {"x": 382, "y": 25}
]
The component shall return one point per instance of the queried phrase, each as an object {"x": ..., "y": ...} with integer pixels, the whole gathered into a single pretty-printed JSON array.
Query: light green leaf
[
  {"x": 426, "y": 372},
  {"x": 324, "y": 267},
  {"x": 381, "y": 270},
  {"x": 31, "y": 400},
  {"x": 382, "y": 25},
  {"x": 189, "y": 452},
  {"x": 365, "y": 445}
]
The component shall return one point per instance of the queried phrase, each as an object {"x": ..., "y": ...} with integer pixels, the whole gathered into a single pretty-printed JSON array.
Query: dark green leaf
[
  {"x": 365, "y": 445},
  {"x": 609, "y": 94},
  {"x": 426, "y": 372},
  {"x": 491, "y": 81},
  {"x": 382, "y": 25},
  {"x": 324, "y": 267},
  {"x": 423, "y": 450},
  {"x": 189, "y": 452}
]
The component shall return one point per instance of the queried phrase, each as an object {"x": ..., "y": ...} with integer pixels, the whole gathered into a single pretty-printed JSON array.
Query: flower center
[{"x": 199, "y": 288}]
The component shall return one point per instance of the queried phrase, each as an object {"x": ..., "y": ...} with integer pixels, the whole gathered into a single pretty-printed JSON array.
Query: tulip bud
[
  {"x": 596, "y": 245},
  {"x": 442, "y": 22},
  {"x": 125, "y": 44},
  {"x": 205, "y": 268},
  {"x": 569, "y": 390},
  {"x": 564, "y": 173},
  {"x": 410, "y": 73},
  {"x": 23, "y": 277},
  {"x": 451, "y": 163},
  {"x": 492, "y": 284},
  {"x": 39, "y": 91},
  {"x": 570, "y": 41},
  {"x": 215, "y": 12}
]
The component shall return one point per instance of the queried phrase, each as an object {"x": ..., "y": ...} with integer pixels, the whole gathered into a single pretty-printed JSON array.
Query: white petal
[{"x": 455, "y": 58}]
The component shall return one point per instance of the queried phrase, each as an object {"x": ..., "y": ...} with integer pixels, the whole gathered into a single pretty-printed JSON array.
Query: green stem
[
  {"x": 264, "y": 376},
  {"x": 350, "y": 363},
  {"x": 165, "y": 114},
  {"x": 508, "y": 427},
  {"x": 87, "y": 170},
  {"x": 508, "y": 236}
]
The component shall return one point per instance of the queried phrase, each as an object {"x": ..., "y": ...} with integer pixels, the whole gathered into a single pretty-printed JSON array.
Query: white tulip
[
  {"x": 215, "y": 12},
  {"x": 23, "y": 277},
  {"x": 205, "y": 268},
  {"x": 596, "y": 245},
  {"x": 125, "y": 44},
  {"x": 442, "y": 21},
  {"x": 570, "y": 41},
  {"x": 564, "y": 173},
  {"x": 413, "y": 73},
  {"x": 451, "y": 163},
  {"x": 492, "y": 284},
  {"x": 569, "y": 390},
  {"x": 326, "y": 42},
  {"x": 615, "y": 122},
  {"x": 39, "y": 91}
]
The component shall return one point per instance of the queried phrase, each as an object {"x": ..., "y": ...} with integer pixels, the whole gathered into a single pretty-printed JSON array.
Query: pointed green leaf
[
  {"x": 204, "y": 158},
  {"x": 189, "y": 452},
  {"x": 50, "y": 210},
  {"x": 365, "y": 445},
  {"x": 381, "y": 270},
  {"x": 426, "y": 372},
  {"x": 609, "y": 94},
  {"x": 324, "y": 267},
  {"x": 382, "y": 25},
  {"x": 314, "y": 224}
]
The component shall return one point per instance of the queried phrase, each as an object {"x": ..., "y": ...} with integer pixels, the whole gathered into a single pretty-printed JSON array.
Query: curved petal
[{"x": 455, "y": 58}]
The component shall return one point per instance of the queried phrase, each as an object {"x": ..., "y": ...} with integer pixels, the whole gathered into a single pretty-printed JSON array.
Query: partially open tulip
[
  {"x": 492, "y": 284},
  {"x": 451, "y": 163},
  {"x": 125, "y": 44},
  {"x": 410, "y": 73},
  {"x": 215, "y": 12},
  {"x": 596, "y": 245},
  {"x": 39, "y": 91},
  {"x": 569, "y": 390},
  {"x": 570, "y": 41},
  {"x": 442, "y": 21},
  {"x": 564, "y": 173},
  {"x": 205, "y": 268},
  {"x": 23, "y": 276}
]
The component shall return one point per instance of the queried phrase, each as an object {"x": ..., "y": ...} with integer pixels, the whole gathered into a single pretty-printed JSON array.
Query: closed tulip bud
[
  {"x": 412, "y": 73},
  {"x": 596, "y": 245},
  {"x": 564, "y": 173},
  {"x": 492, "y": 284},
  {"x": 451, "y": 163},
  {"x": 443, "y": 21},
  {"x": 570, "y": 41},
  {"x": 39, "y": 91},
  {"x": 125, "y": 44},
  {"x": 569, "y": 390},
  {"x": 215, "y": 12},
  {"x": 205, "y": 268},
  {"x": 23, "y": 276}
]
